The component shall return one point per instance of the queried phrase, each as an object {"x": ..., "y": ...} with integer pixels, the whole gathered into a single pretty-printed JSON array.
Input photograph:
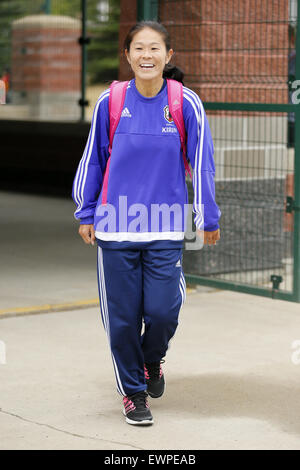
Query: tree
[
  {"x": 103, "y": 59},
  {"x": 10, "y": 10},
  {"x": 102, "y": 52}
]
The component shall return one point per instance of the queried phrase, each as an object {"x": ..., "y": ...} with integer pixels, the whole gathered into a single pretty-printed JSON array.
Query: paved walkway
[
  {"x": 231, "y": 382},
  {"x": 46, "y": 261}
]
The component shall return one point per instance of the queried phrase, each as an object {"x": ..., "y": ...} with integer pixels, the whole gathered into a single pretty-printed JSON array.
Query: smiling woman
[
  {"x": 148, "y": 52},
  {"x": 140, "y": 171},
  {"x": 147, "y": 55}
]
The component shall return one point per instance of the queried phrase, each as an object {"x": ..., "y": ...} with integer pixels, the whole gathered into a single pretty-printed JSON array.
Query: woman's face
[{"x": 148, "y": 47}]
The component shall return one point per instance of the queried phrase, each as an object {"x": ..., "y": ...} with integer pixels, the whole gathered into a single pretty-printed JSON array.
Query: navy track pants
[{"x": 137, "y": 286}]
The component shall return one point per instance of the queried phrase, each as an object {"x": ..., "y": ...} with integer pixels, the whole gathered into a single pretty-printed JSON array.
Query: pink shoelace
[
  {"x": 153, "y": 370},
  {"x": 129, "y": 404}
]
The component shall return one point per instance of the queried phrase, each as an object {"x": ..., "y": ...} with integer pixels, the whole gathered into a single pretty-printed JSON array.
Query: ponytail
[{"x": 173, "y": 72}]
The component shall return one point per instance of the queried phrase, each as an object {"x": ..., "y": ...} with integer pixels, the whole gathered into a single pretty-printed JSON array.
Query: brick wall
[
  {"x": 128, "y": 18},
  {"x": 229, "y": 50}
]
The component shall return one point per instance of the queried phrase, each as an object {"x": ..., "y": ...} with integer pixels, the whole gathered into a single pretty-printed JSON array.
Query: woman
[{"x": 139, "y": 260}]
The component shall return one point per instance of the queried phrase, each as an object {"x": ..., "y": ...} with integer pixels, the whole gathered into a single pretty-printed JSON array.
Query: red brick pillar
[
  {"x": 128, "y": 18},
  {"x": 231, "y": 51},
  {"x": 46, "y": 66}
]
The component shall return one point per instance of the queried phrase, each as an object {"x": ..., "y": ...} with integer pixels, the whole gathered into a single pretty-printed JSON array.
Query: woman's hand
[
  {"x": 210, "y": 238},
  {"x": 87, "y": 233}
]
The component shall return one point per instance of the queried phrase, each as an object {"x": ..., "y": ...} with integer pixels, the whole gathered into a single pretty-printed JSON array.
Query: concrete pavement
[
  {"x": 46, "y": 261},
  {"x": 231, "y": 382}
]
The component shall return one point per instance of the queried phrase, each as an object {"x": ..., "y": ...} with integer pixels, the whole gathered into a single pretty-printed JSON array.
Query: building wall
[
  {"x": 229, "y": 50},
  {"x": 128, "y": 18}
]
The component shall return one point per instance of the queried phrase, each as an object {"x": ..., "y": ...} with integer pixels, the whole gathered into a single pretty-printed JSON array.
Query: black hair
[
  {"x": 170, "y": 70},
  {"x": 174, "y": 72}
]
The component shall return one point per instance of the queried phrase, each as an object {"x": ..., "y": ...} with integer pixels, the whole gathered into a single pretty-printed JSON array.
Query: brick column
[
  {"x": 231, "y": 51},
  {"x": 46, "y": 66},
  {"x": 128, "y": 18}
]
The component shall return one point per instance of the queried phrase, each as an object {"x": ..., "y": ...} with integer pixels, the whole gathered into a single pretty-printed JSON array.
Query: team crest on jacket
[{"x": 167, "y": 114}]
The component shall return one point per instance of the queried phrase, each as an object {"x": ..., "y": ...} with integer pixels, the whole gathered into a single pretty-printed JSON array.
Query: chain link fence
[{"x": 240, "y": 58}]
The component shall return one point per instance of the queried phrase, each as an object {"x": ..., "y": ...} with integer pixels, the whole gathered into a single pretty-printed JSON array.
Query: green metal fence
[{"x": 237, "y": 57}]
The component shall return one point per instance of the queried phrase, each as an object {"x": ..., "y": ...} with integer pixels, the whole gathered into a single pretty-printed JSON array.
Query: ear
[
  {"x": 169, "y": 55},
  {"x": 127, "y": 56}
]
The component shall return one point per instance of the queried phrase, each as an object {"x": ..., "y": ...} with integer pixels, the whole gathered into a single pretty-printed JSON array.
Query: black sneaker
[
  {"x": 136, "y": 409},
  {"x": 154, "y": 379}
]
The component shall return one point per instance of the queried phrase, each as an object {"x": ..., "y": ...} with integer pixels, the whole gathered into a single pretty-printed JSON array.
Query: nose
[{"x": 147, "y": 53}]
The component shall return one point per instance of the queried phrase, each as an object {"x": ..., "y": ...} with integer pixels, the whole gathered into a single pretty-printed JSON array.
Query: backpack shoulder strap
[
  {"x": 116, "y": 103},
  {"x": 175, "y": 99}
]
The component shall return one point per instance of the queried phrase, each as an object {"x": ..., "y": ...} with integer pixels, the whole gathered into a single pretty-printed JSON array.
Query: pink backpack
[{"x": 116, "y": 103}]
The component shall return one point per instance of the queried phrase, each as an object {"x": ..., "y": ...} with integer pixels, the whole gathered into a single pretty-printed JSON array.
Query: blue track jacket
[{"x": 147, "y": 196}]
